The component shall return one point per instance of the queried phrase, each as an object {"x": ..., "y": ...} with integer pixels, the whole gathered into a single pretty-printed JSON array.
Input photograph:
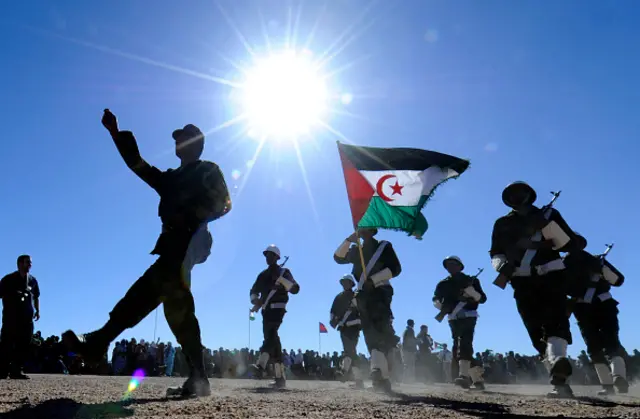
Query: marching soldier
[
  {"x": 409, "y": 349},
  {"x": 191, "y": 196},
  {"x": 596, "y": 312},
  {"x": 460, "y": 294},
  {"x": 525, "y": 247},
  {"x": 270, "y": 293},
  {"x": 345, "y": 318},
  {"x": 374, "y": 298}
]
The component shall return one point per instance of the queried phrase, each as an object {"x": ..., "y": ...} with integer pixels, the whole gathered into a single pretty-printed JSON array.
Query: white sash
[
  {"x": 529, "y": 254},
  {"x": 364, "y": 275},
  {"x": 371, "y": 264},
  {"x": 271, "y": 293}
]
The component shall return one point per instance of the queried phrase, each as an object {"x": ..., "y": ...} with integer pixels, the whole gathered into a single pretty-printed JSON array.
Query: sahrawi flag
[{"x": 388, "y": 187}]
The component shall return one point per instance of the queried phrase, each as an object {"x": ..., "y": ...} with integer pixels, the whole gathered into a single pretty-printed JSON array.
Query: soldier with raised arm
[
  {"x": 191, "y": 196},
  {"x": 374, "y": 297}
]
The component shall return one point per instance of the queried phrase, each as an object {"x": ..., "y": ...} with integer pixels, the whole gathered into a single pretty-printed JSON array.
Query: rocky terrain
[{"x": 75, "y": 397}]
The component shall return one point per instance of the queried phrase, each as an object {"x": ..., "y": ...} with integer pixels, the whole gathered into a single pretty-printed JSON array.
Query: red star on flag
[{"x": 397, "y": 189}]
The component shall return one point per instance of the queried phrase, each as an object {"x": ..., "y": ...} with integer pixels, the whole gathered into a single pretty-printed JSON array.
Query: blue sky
[{"x": 542, "y": 93}]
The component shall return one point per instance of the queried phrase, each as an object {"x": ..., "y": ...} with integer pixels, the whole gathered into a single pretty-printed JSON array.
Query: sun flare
[{"x": 283, "y": 96}]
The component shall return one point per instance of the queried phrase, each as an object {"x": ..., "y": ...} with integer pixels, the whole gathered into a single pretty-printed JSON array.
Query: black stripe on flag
[{"x": 376, "y": 159}]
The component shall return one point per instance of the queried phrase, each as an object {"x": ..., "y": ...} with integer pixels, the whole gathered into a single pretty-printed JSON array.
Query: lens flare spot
[
  {"x": 235, "y": 174},
  {"x": 134, "y": 383}
]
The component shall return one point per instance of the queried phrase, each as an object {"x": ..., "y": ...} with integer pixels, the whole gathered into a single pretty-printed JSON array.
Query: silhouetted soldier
[{"x": 191, "y": 196}]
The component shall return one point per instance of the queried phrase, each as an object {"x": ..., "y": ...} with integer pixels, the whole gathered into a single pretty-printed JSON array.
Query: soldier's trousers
[
  {"x": 166, "y": 282},
  {"x": 462, "y": 331},
  {"x": 15, "y": 339},
  {"x": 542, "y": 304},
  {"x": 374, "y": 306},
  {"x": 350, "y": 335},
  {"x": 271, "y": 321},
  {"x": 598, "y": 323}
]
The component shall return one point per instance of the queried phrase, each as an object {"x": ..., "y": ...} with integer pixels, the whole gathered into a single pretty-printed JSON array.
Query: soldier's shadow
[
  {"x": 70, "y": 409},
  {"x": 478, "y": 409}
]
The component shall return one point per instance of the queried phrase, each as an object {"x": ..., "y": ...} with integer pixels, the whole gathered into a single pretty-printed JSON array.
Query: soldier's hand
[
  {"x": 109, "y": 121},
  {"x": 36, "y": 315},
  {"x": 353, "y": 238}
]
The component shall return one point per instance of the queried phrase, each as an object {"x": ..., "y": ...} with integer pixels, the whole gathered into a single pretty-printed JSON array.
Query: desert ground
[{"x": 80, "y": 397}]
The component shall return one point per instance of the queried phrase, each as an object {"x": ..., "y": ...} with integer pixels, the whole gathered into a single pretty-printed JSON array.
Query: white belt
[
  {"x": 554, "y": 265},
  {"x": 278, "y": 305},
  {"x": 463, "y": 314},
  {"x": 353, "y": 322},
  {"x": 588, "y": 296}
]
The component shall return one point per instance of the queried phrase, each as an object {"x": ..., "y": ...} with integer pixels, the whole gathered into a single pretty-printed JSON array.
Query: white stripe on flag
[{"x": 414, "y": 183}]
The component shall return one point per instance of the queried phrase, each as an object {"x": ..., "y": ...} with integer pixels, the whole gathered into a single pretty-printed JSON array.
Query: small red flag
[{"x": 323, "y": 328}]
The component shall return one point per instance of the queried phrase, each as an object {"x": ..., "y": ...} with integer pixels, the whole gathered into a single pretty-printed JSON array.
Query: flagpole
[
  {"x": 319, "y": 342},
  {"x": 249, "y": 347},
  {"x": 155, "y": 327}
]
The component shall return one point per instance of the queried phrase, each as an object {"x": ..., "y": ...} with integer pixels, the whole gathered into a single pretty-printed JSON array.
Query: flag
[
  {"x": 388, "y": 187},
  {"x": 323, "y": 328}
]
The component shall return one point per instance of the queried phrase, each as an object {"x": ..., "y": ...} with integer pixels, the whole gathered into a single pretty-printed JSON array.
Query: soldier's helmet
[
  {"x": 272, "y": 248},
  {"x": 518, "y": 193},
  {"x": 455, "y": 258},
  {"x": 348, "y": 278}
]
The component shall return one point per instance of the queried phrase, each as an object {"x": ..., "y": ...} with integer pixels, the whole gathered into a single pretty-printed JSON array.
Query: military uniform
[
  {"x": 270, "y": 292},
  {"x": 374, "y": 300},
  {"x": 190, "y": 197},
  {"x": 409, "y": 350},
  {"x": 596, "y": 312},
  {"x": 459, "y": 295},
  {"x": 344, "y": 317},
  {"x": 537, "y": 274},
  {"x": 18, "y": 293}
]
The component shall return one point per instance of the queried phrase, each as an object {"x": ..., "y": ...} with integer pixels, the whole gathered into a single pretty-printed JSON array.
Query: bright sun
[{"x": 283, "y": 96}]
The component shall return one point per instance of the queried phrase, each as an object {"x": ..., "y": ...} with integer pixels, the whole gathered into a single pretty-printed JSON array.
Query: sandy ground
[{"x": 102, "y": 397}]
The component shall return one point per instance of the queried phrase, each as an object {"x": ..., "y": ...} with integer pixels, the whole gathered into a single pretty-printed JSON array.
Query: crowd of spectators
[{"x": 433, "y": 363}]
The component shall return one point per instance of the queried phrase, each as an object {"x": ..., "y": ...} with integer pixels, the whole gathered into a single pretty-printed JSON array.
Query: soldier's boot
[
  {"x": 380, "y": 372},
  {"x": 619, "y": 372},
  {"x": 259, "y": 369},
  {"x": 463, "y": 380},
  {"x": 357, "y": 377},
  {"x": 197, "y": 385},
  {"x": 605, "y": 378},
  {"x": 476, "y": 374},
  {"x": 621, "y": 384},
  {"x": 92, "y": 346},
  {"x": 560, "y": 371},
  {"x": 343, "y": 372},
  {"x": 279, "y": 373}
]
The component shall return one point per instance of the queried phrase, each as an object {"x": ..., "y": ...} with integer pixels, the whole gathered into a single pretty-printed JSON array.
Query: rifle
[
  {"x": 257, "y": 307},
  {"x": 502, "y": 280},
  {"x": 447, "y": 309}
]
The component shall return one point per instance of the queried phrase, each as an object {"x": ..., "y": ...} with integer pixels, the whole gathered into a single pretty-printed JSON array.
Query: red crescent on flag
[{"x": 379, "y": 187}]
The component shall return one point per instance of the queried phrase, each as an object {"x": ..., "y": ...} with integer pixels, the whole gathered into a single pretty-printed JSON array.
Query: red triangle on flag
[
  {"x": 359, "y": 191},
  {"x": 323, "y": 328}
]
